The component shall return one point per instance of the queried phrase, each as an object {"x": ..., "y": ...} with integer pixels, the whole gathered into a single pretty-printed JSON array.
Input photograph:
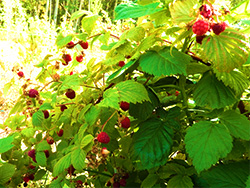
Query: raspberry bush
[{"x": 167, "y": 106}]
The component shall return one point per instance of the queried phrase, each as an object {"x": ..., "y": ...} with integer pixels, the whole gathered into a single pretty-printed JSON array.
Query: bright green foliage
[
  {"x": 62, "y": 164},
  {"x": 78, "y": 159},
  {"x": 226, "y": 51},
  {"x": 71, "y": 82},
  {"x": 111, "y": 99},
  {"x": 6, "y": 172},
  {"x": 207, "y": 142},
  {"x": 180, "y": 181},
  {"x": 248, "y": 182},
  {"x": 62, "y": 41},
  {"x": 151, "y": 144},
  {"x": 6, "y": 143},
  {"x": 89, "y": 23},
  {"x": 213, "y": 93},
  {"x": 79, "y": 14},
  {"x": 132, "y": 10},
  {"x": 135, "y": 34},
  {"x": 228, "y": 175},
  {"x": 37, "y": 118},
  {"x": 164, "y": 62},
  {"x": 41, "y": 158},
  {"x": 234, "y": 79},
  {"x": 237, "y": 124}
]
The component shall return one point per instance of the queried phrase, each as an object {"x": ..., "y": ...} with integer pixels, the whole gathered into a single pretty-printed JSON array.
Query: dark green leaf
[
  {"x": 150, "y": 181},
  {"x": 37, "y": 118},
  {"x": 179, "y": 181},
  {"x": 39, "y": 175},
  {"x": 43, "y": 146}
]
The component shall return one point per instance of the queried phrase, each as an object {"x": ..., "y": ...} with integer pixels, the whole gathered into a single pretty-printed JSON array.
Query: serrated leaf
[
  {"x": 43, "y": 146},
  {"x": 180, "y": 181},
  {"x": 71, "y": 82},
  {"x": 135, "y": 34},
  {"x": 64, "y": 41},
  {"x": 146, "y": 43},
  {"x": 237, "y": 124},
  {"x": 89, "y": 22},
  {"x": 227, "y": 175},
  {"x": 195, "y": 68},
  {"x": 6, "y": 172},
  {"x": 170, "y": 169},
  {"x": 183, "y": 11},
  {"x": 41, "y": 158},
  {"x": 226, "y": 51},
  {"x": 161, "y": 17},
  {"x": 91, "y": 115},
  {"x": 206, "y": 143},
  {"x": 164, "y": 62},
  {"x": 132, "y": 10},
  {"x": 151, "y": 145},
  {"x": 62, "y": 164},
  {"x": 86, "y": 140},
  {"x": 110, "y": 99},
  {"x": 150, "y": 181},
  {"x": 37, "y": 118},
  {"x": 79, "y": 14},
  {"x": 234, "y": 79},
  {"x": 131, "y": 91},
  {"x": 46, "y": 106},
  {"x": 6, "y": 143},
  {"x": 28, "y": 132},
  {"x": 212, "y": 92},
  {"x": 77, "y": 159}
]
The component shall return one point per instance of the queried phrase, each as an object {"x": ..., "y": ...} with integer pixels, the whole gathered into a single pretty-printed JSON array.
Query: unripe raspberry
[
  {"x": 125, "y": 123},
  {"x": 105, "y": 151},
  {"x": 84, "y": 45},
  {"x": 103, "y": 138},
  {"x": 206, "y": 11},
  {"x": 50, "y": 140},
  {"x": 67, "y": 58},
  {"x": 70, "y": 45},
  {"x": 46, "y": 152},
  {"x": 33, "y": 93},
  {"x": 124, "y": 105},
  {"x": 71, "y": 94},
  {"x": 121, "y": 63},
  {"x": 200, "y": 27},
  {"x": 79, "y": 58},
  {"x": 20, "y": 74},
  {"x": 56, "y": 77},
  {"x": 219, "y": 27}
]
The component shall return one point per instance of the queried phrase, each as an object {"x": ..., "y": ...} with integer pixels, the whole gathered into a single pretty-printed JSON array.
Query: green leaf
[
  {"x": 91, "y": 116},
  {"x": 234, "y": 79},
  {"x": 237, "y": 124},
  {"x": 135, "y": 34},
  {"x": 6, "y": 144},
  {"x": 61, "y": 42},
  {"x": 37, "y": 118},
  {"x": 6, "y": 172},
  {"x": 86, "y": 140},
  {"x": 183, "y": 11},
  {"x": 71, "y": 82},
  {"x": 131, "y": 91},
  {"x": 46, "y": 106},
  {"x": 248, "y": 182},
  {"x": 146, "y": 43},
  {"x": 151, "y": 144},
  {"x": 78, "y": 159},
  {"x": 41, "y": 158},
  {"x": 62, "y": 164},
  {"x": 212, "y": 92},
  {"x": 132, "y": 10},
  {"x": 206, "y": 143},
  {"x": 110, "y": 99},
  {"x": 43, "y": 146},
  {"x": 39, "y": 175},
  {"x": 8, "y": 86},
  {"x": 79, "y": 14},
  {"x": 171, "y": 169},
  {"x": 150, "y": 181},
  {"x": 227, "y": 175},
  {"x": 195, "y": 68},
  {"x": 164, "y": 62},
  {"x": 161, "y": 17},
  {"x": 89, "y": 22},
  {"x": 180, "y": 181},
  {"x": 226, "y": 51}
]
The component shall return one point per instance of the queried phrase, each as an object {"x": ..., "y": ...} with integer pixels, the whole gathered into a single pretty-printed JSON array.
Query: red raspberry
[
  {"x": 33, "y": 93},
  {"x": 31, "y": 166},
  {"x": 125, "y": 123},
  {"x": 206, "y": 11},
  {"x": 60, "y": 132},
  {"x": 32, "y": 153},
  {"x": 67, "y": 58},
  {"x": 70, "y": 45},
  {"x": 79, "y": 58},
  {"x": 79, "y": 182},
  {"x": 46, "y": 114},
  {"x": 121, "y": 63},
  {"x": 31, "y": 177},
  {"x": 123, "y": 182},
  {"x": 50, "y": 140},
  {"x": 219, "y": 27},
  {"x": 63, "y": 107},
  {"x": 26, "y": 179},
  {"x": 124, "y": 105},
  {"x": 20, "y": 74},
  {"x": 71, "y": 94},
  {"x": 46, "y": 153},
  {"x": 177, "y": 93},
  {"x": 71, "y": 73},
  {"x": 103, "y": 138},
  {"x": 116, "y": 185},
  {"x": 200, "y": 38},
  {"x": 200, "y": 27},
  {"x": 84, "y": 45}
]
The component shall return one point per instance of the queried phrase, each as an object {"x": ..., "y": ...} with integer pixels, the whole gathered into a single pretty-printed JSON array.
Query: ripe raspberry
[
  {"x": 124, "y": 105},
  {"x": 60, "y": 132},
  {"x": 67, "y": 58},
  {"x": 103, "y": 138},
  {"x": 46, "y": 114},
  {"x": 125, "y": 176},
  {"x": 34, "y": 159},
  {"x": 32, "y": 153},
  {"x": 46, "y": 153},
  {"x": 84, "y": 45},
  {"x": 219, "y": 27},
  {"x": 206, "y": 11},
  {"x": 200, "y": 27},
  {"x": 63, "y": 107},
  {"x": 128, "y": 57},
  {"x": 33, "y": 93},
  {"x": 50, "y": 140},
  {"x": 116, "y": 185},
  {"x": 200, "y": 38},
  {"x": 31, "y": 177},
  {"x": 177, "y": 93},
  {"x": 70, "y": 45},
  {"x": 125, "y": 123},
  {"x": 31, "y": 166},
  {"x": 71, "y": 94},
  {"x": 122, "y": 182},
  {"x": 26, "y": 179},
  {"x": 71, "y": 73},
  {"x": 79, "y": 182},
  {"x": 121, "y": 63},
  {"x": 20, "y": 74},
  {"x": 79, "y": 58}
]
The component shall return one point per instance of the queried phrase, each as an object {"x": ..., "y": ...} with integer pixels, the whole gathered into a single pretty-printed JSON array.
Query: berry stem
[
  {"x": 96, "y": 172},
  {"x": 108, "y": 120}
]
